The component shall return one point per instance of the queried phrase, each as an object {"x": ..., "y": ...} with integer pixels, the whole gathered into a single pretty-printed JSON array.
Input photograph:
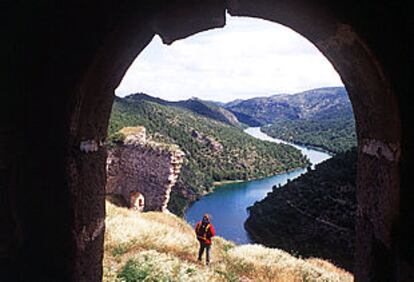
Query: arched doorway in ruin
[
  {"x": 136, "y": 201},
  {"x": 337, "y": 30}
]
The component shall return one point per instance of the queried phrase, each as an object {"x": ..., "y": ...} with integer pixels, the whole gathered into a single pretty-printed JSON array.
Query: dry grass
[
  {"x": 162, "y": 247},
  {"x": 132, "y": 130}
]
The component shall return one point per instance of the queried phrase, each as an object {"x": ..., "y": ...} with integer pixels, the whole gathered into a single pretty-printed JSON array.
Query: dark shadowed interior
[{"x": 63, "y": 61}]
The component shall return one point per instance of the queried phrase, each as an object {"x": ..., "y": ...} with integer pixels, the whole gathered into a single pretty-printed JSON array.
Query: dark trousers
[{"x": 207, "y": 247}]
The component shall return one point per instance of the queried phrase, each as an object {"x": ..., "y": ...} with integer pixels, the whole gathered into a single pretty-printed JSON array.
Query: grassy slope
[
  {"x": 162, "y": 247},
  {"x": 242, "y": 156}
]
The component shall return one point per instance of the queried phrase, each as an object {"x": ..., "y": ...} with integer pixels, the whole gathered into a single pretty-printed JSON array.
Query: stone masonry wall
[{"x": 144, "y": 166}]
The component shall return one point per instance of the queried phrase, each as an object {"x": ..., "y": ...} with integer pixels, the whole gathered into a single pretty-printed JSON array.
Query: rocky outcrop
[
  {"x": 139, "y": 165},
  {"x": 210, "y": 141}
]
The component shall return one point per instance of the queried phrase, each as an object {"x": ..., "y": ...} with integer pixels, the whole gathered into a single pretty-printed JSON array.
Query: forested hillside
[
  {"x": 320, "y": 117},
  {"x": 215, "y": 151},
  {"x": 316, "y": 104},
  {"x": 313, "y": 215},
  {"x": 334, "y": 135},
  {"x": 205, "y": 108}
]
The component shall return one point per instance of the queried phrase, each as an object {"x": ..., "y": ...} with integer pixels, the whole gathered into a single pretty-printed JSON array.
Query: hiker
[{"x": 204, "y": 231}]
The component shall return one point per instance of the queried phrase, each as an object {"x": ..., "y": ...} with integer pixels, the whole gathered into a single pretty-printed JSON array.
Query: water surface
[{"x": 228, "y": 203}]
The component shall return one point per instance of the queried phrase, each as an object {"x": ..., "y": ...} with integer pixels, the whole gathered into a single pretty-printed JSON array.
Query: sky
[{"x": 245, "y": 59}]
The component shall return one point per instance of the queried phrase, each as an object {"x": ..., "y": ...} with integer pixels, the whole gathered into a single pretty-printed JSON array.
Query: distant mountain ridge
[
  {"x": 205, "y": 108},
  {"x": 315, "y": 104},
  {"x": 320, "y": 117}
]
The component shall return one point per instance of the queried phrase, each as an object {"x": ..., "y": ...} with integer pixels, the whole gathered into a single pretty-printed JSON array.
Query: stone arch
[{"x": 84, "y": 51}]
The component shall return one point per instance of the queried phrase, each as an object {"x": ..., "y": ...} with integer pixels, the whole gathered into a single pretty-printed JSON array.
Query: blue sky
[{"x": 247, "y": 58}]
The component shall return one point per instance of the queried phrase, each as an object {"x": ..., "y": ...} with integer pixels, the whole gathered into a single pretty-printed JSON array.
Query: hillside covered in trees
[
  {"x": 313, "y": 215},
  {"x": 315, "y": 104},
  {"x": 321, "y": 117},
  {"x": 204, "y": 108},
  {"x": 334, "y": 135},
  {"x": 214, "y": 150}
]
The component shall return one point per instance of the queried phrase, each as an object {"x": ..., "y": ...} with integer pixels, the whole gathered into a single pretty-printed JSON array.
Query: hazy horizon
[{"x": 248, "y": 58}]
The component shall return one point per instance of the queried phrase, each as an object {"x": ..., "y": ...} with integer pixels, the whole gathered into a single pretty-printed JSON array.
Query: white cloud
[{"x": 247, "y": 58}]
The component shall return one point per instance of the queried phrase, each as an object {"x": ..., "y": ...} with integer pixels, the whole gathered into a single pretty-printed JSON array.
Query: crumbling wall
[{"x": 139, "y": 165}]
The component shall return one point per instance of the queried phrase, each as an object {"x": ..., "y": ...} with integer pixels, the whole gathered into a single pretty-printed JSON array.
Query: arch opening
[{"x": 163, "y": 72}]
